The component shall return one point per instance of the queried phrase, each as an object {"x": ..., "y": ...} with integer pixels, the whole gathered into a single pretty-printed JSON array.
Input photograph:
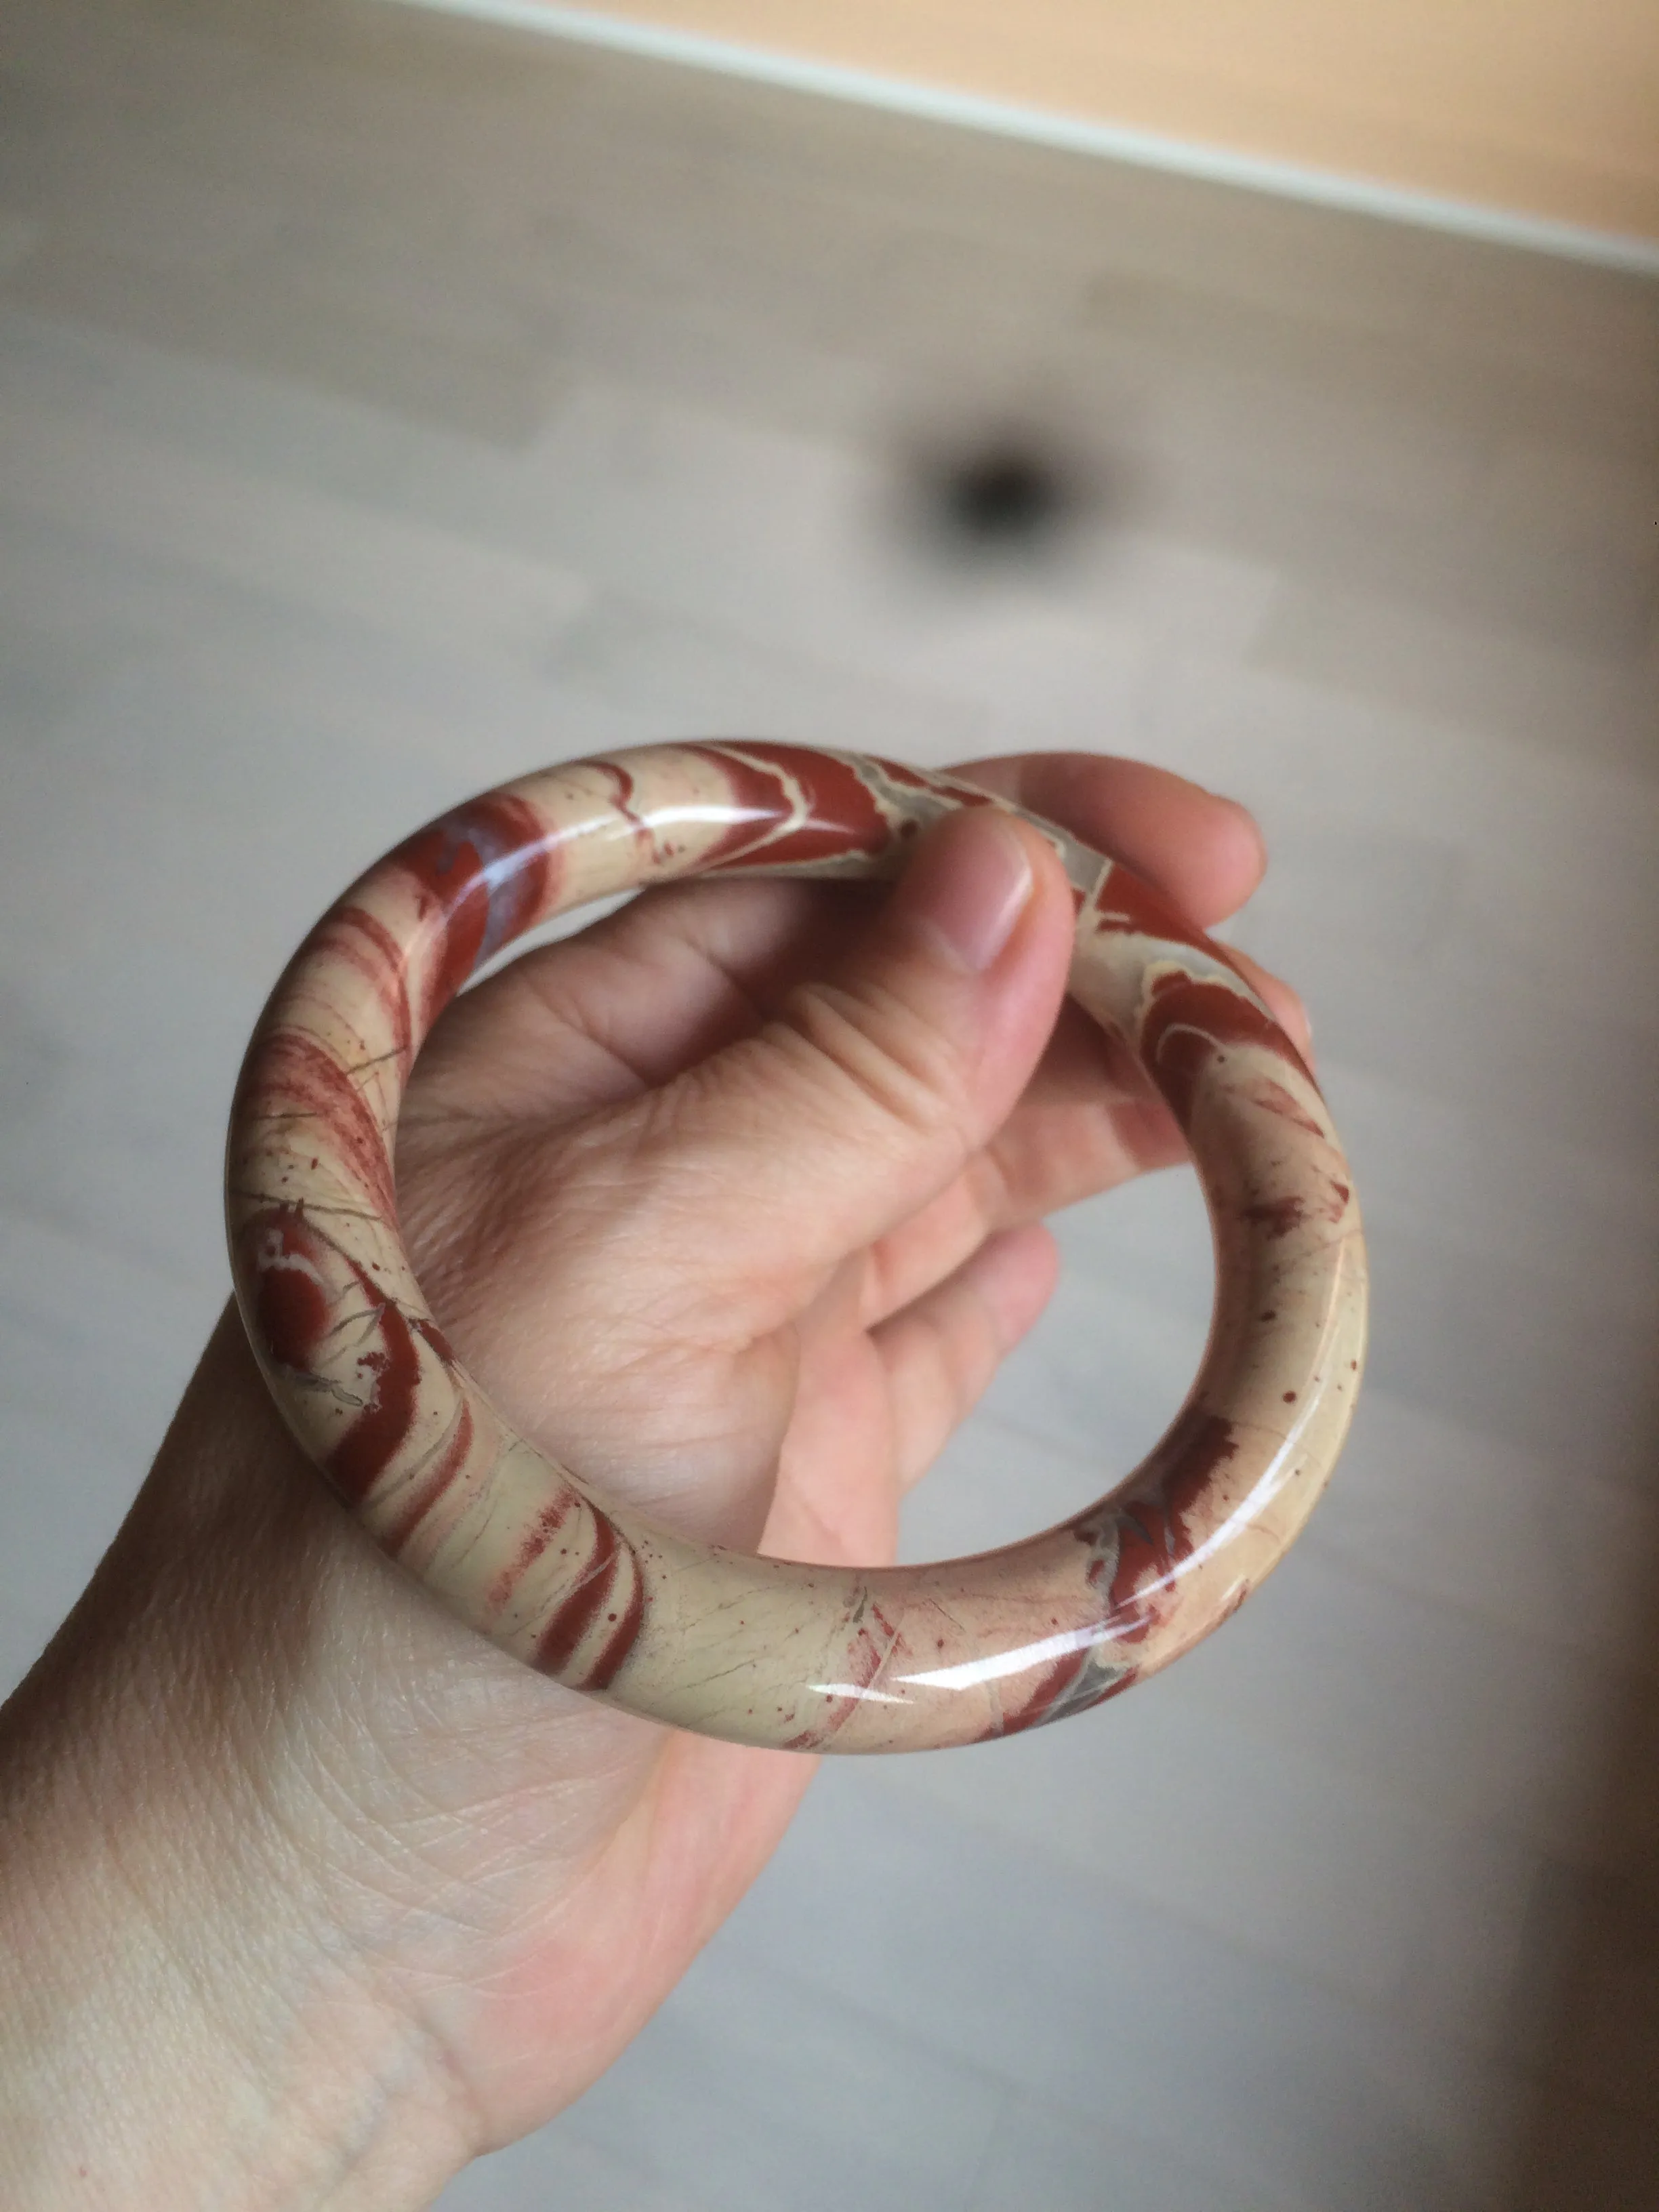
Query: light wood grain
[
  {"x": 1544, "y": 107},
  {"x": 392, "y": 398}
]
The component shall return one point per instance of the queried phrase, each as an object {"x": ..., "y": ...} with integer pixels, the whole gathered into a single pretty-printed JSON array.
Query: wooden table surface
[{"x": 387, "y": 395}]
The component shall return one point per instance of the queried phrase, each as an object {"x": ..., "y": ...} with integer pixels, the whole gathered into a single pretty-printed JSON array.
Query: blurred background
[{"x": 392, "y": 401}]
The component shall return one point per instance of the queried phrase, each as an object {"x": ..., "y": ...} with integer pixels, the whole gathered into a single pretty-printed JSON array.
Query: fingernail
[{"x": 966, "y": 888}]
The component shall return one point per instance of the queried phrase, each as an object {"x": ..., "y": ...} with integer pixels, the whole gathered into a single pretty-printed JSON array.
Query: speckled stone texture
[{"x": 760, "y": 1650}]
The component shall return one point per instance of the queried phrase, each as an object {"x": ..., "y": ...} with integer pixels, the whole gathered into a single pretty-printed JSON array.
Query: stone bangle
[{"x": 760, "y": 1650}]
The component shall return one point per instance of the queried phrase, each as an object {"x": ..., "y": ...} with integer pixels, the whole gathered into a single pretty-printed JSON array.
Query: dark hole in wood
[{"x": 1005, "y": 494}]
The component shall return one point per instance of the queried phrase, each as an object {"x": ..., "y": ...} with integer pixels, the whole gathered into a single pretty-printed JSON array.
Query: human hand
[{"x": 738, "y": 1222}]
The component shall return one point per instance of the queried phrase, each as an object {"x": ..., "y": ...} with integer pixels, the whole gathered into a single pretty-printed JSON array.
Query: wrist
[{"x": 182, "y": 2018}]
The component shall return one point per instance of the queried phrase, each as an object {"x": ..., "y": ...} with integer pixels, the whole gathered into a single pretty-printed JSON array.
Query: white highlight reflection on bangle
[
  {"x": 972, "y": 1672},
  {"x": 995, "y": 1665}
]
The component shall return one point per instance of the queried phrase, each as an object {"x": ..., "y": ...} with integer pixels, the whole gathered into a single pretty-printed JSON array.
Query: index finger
[{"x": 1205, "y": 852}]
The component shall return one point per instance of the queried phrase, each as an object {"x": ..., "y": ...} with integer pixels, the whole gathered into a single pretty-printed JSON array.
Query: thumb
[{"x": 766, "y": 1165}]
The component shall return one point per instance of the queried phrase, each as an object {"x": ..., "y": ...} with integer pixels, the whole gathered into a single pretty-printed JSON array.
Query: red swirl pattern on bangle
[{"x": 760, "y": 1650}]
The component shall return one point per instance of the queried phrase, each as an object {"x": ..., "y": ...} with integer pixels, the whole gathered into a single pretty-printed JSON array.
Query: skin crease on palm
[{"x": 398, "y": 1898}]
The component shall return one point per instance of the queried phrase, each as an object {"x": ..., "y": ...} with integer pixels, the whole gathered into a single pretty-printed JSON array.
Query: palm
[{"x": 755, "y": 1380}]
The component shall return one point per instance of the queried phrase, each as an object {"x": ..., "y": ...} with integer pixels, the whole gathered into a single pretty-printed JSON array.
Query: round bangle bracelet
[{"x": 763, "y": 1650}]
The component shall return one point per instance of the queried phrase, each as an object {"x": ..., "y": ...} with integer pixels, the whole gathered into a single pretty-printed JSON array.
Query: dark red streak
[
  {"x": 294, "y": 1317},
  {"x": 621, "y": 1641},
  {"x": 549, "y": 1522},
  {"x": 1187, "y": 1022},
  {"x": 1125, "y": 906},
  {"x": 297, "y": 1076},
  {"x": 1153, "y": 1533},
  {"x": 485, "y": 870},
  {"x": 842, "y": 814},
  {"x": 623, "y": 802},
  {"x": 1273, "y": 1098},
  {"x": 368, "y": 1447},
  {"x": 1277, "y": 1216},
  {"x": 374, "y": 1439},
  {"x": 446, "y": 1466},
  {"x": 290, "y": 1307},
  {"x": 593, "y": 1592},
  {"x": 358, "y": 938}
]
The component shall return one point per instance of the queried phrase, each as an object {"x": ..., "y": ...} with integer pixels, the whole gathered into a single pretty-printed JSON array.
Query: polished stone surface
[{"x": 567, "y": 1574}]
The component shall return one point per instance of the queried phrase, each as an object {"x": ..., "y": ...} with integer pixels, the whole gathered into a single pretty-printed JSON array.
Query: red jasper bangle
[{"x": 760, "y": 1650}]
